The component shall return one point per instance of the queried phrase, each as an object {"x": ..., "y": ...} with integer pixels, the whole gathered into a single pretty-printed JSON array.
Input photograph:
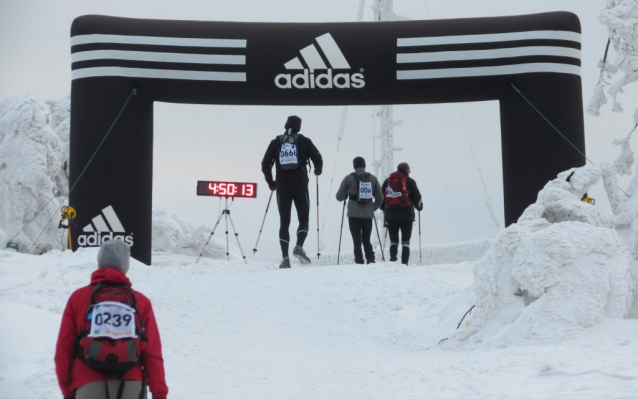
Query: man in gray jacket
[{"x": 365, "y": 196}]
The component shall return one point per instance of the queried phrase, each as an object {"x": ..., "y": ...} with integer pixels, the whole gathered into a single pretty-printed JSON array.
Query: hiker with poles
[
  {"x": 290, "y": 153},
  {"x": 365, "y": 196},
  {"x": 400, "y": 196}
]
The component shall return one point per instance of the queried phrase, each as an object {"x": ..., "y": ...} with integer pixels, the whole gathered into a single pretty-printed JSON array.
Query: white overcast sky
[{"x": 192, "y": 141}]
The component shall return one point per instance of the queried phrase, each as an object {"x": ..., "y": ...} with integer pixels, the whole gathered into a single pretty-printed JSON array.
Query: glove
[
  {"x": 272, "y": 185},
  {"x": 317, "y": 172}
]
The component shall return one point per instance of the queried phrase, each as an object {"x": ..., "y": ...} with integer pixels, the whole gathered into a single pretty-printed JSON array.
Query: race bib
[
  {"x": 288, "y": 154},
  {"x": 113, "y": 320},
  {"x": 365, "y": 190},
  {"x": 390, "y": 193}
]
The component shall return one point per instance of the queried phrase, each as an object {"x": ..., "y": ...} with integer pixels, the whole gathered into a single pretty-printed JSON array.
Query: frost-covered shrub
[
  {"x": 561, "y": 268},
  {"x": 60, "y": 122},
  {"x": 29, "y": 161},
  {"x": 621, "y": 19}
]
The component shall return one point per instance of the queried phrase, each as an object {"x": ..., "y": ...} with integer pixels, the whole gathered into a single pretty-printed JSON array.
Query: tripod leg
[
  {"x": 237, "y": 237},
  {"x": 209, "y": 237}
]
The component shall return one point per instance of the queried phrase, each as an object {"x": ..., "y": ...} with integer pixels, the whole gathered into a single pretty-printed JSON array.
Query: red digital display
[{"x": 227, "y": 189}]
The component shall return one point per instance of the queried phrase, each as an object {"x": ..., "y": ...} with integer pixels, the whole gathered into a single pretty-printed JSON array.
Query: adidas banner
[{"x": 403, "y": 62}]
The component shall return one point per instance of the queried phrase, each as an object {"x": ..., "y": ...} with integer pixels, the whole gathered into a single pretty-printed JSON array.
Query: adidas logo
[
  {"x": 105, "y": 226},
  {"x": 319, "y": 60}
]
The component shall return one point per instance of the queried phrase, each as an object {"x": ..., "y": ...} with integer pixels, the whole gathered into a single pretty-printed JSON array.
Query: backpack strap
[{"x": 289, "y": 138}]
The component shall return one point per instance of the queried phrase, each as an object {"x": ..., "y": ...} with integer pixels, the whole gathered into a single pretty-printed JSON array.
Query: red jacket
[{"x": 73, "y": 322}]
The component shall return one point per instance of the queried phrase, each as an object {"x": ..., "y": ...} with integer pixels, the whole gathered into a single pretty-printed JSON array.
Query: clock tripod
[{"x": 226, "y": 214}]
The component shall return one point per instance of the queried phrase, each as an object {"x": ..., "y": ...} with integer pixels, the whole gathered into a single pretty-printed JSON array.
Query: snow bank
[
  {"x": 559, "y": 269},
  {"x": 29, "y": 161},
  {"x": 175, "y": 235},
  {"x": 438, "y": 254}
]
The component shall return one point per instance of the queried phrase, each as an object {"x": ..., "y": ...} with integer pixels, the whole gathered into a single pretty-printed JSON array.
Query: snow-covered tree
[
  {"x": 60, "y": 122},
  {"x": 30, "y": 154},
  {"x": 621, "y": 19}
]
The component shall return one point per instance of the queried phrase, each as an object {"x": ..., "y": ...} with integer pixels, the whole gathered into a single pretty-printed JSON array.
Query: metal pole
[
  {"x": 341, "y": 231},
  {"x": 420, "y": 255},
  {"x": 263, "y": 221},
  {"x": 376, "y": 226},
  {"x": 318, "y": 254}
]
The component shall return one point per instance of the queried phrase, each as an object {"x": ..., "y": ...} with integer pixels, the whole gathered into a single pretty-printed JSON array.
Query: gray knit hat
[{"x": 114, "y": 254}]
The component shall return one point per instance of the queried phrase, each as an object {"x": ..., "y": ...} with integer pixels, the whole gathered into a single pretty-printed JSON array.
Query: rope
[
  {"x": 489, "y": 202},
  {"x": 342, "y": 126},
  {"x": 133, "y": 92},
  {"x": 560, "y": 133},
  {"x": 552, "y": 125}
]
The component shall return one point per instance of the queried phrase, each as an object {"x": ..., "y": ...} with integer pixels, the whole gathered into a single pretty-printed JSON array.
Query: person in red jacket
[{"x": 79, "y": 381}]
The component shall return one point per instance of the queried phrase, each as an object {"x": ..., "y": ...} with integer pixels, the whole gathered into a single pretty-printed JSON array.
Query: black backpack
[
  {"x": 364, "y": 193},
  {"x": 111, "y": 341}
]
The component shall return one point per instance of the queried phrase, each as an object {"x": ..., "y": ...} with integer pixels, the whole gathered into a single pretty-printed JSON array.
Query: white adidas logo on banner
[
  {"x": 105, "y": 226},
  {"x": 313, "y": 59},
  {"x": 99, "y": 223}
]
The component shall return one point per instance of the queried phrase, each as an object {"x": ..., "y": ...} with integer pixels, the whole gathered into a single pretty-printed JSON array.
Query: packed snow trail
[{"x": 351, "y": 331}]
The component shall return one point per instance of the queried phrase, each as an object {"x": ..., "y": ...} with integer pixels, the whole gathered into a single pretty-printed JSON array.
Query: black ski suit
[
  {"x": 401, "y": 219},
  {"x": 292, "y": 186}
]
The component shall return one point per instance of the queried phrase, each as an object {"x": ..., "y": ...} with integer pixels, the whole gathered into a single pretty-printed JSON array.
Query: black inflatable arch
[{"x": 406, "y": 62}]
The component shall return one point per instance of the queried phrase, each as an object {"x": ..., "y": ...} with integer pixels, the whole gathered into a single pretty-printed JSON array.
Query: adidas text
[
  {"x": 308, "y": 80},
  {"x": 96, "y": 239}
]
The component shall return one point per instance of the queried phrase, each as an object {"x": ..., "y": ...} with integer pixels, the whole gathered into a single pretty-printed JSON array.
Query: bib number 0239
[{"x": 113, "y": 320}]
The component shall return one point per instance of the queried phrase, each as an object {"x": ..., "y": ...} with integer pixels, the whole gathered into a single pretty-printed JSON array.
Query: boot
[
  {"x": 300, "y": 254},
  {"x": 405, "y": 255},
  {"x": 285, "y": 263}
]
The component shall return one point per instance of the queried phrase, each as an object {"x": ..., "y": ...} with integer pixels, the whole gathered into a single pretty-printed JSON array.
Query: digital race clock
[{"x": 227, "y": 189}]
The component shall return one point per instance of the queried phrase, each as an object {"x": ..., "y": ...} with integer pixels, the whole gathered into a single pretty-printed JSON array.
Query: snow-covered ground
[
  {"x": 232, "y": 330},
  {"x": 546, "y": 309}
]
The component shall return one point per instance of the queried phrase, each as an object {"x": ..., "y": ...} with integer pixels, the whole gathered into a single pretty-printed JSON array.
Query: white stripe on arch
[
  {"x": 465, "y": 55},
  {"x": 490, "y": 37},
  {"x": 488, "y": 71},
  {"x": 184, "y": 58},
  {"x": 158, "y": 41},
  {"x": 158, "y": 74}
]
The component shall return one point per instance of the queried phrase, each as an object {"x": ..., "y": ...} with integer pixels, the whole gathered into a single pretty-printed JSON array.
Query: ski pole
[
  {"x": 420, "y": 256},
  {"x": 385, "y": 236},
  {"x": 318, "y": 254},
  {"x": 378, "y": 236},
  {"x": 341, "y": 231},
  {"x": 263, "y": 221}
]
